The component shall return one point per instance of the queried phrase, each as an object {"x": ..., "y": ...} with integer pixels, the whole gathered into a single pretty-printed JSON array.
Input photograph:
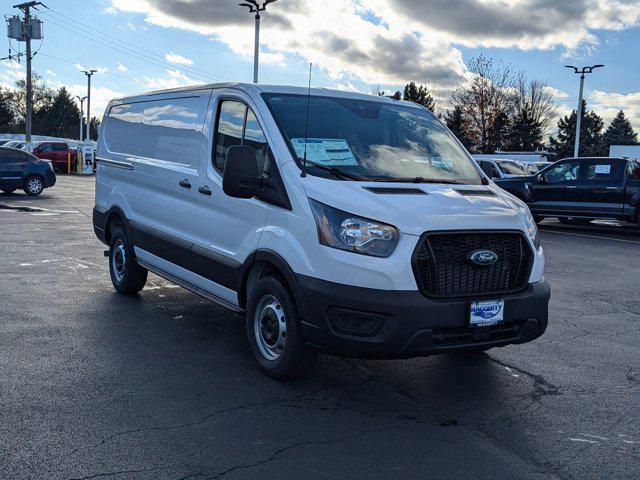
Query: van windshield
[{"x": 352, "y": 139}]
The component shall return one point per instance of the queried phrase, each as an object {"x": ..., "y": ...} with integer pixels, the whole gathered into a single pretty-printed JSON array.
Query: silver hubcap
[
  {"x": 118, "y": 260},
  {"x": 34, "y": 185},
  {"x": 270, "y": 327}
]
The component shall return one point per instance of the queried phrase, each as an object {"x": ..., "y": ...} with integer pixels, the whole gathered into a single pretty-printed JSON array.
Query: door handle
[
  {"x": 571, "y": 187},
  {"x": 612, "y": 188},
  {"x": 184, "y": 183},
  {"x": 205, "y": 190}
]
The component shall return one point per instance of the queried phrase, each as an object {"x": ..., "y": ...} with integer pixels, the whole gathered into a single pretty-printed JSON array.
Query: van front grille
[{"x": 442, "y": 267}]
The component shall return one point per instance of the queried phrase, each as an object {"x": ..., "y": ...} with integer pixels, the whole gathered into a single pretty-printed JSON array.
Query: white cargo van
[{"x": 334, "y": 221}]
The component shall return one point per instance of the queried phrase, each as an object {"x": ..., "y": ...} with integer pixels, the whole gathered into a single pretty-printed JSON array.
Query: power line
[
  {"x": 132, "y": 50},
  {"x": 78, "y": 63},
  {"x": 134, "y": 55}
]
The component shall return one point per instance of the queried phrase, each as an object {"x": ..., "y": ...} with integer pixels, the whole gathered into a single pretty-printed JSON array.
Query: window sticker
[
  {"x": 327, "y": 151},
  {"x": 603, "y": 169}
]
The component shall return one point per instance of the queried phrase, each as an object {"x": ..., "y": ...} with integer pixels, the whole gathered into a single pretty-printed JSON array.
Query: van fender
[{"x": 268, "y": 260}]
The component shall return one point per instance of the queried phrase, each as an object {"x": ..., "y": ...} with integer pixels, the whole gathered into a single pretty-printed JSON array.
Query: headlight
[
  {"x": 532, "y": 229},
  {"x": 341, "y": 230}
]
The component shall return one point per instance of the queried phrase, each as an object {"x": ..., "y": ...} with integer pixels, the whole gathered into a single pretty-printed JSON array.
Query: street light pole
[
  {"x": 254, "y": 7},
  {"x": 81, "y": 100},
  {"x": 89, "y": 74},
  {"x": 576, "y": 148}
]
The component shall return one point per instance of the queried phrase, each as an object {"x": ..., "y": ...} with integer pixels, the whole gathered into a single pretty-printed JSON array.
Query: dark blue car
[{"x": 20, "y": 169}]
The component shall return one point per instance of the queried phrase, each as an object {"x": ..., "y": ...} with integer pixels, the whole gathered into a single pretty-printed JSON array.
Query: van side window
[
  {"x": 254, "y": 137},
  {"x": 634, "y": 170},
  {"x": 230, "y": 130},
  {"x": 238, "y": 125}
]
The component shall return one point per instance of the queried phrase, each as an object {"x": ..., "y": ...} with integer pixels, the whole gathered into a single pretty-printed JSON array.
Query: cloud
[
  {"x": 608, "y": 104},
  {"x": 390, "y": 42},
  {"x": 51, "y": 73},
  {"x": 172, "y": 79},
  {"x": 100, "y": 96},
  {"x": 122, "y": 68},
  {"x": 178, "y": 59}
]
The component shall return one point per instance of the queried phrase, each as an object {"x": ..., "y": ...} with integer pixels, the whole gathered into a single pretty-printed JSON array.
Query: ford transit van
[{"x": 333, "y": 222}]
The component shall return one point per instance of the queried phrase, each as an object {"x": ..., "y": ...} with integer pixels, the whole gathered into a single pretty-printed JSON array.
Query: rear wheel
[
  {"x": 33, "y": 186},
  {"x": 127, "y": 276},
  {"x": 274, "y": 332},
  {"x": 8, "y": 191}
]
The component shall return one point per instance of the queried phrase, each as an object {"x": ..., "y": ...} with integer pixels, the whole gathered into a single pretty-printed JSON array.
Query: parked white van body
[{"x": 336, "y": 222}]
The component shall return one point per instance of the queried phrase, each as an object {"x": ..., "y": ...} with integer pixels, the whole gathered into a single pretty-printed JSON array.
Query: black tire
[
  {"x": 285, "y": 356},
  {"x": 127, "y": 277},
  {"x": 33, "y": 185},
  {"x": 8, "y": 191}
]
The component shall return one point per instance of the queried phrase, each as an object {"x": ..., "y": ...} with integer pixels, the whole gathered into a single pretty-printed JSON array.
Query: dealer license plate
[{"x": 486, "y": 314}]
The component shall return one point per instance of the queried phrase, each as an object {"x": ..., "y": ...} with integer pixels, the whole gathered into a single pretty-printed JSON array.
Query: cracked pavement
[{"x": 95, "y": 385}]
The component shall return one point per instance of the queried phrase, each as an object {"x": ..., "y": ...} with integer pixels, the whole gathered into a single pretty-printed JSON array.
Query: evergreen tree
[
  {"x": 60, "y": 119},
  {"x": 93, "y": 128},
  {"x": 455, "y": 122},
  {"x": 620, "y": 132},
  {"x": 591, "y": 136},
  {"x": 7, "y": 115},
  {"x": 525, "y": 132},
  {"x": 419, "y": 94},
  {"x": 498, "y": 133}
]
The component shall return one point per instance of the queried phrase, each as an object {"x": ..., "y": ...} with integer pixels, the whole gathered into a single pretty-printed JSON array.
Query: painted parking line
[{"x": 592, "y": 236}]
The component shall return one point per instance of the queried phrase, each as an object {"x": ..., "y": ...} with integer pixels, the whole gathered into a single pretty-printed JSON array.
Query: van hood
[{"x": 416, "y": 208}]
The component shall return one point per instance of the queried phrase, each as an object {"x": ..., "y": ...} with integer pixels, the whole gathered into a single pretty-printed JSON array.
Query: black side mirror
[
  {"x": 240, "y": 179},
  {"x": 541, "y": 179}
]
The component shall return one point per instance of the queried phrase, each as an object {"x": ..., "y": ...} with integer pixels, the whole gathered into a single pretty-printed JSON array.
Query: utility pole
[
  {"x": 576, "y": 148},
  {"x": 27, "y": 35},
  {"x": 254, "y": 7},
  {"x": 81, "y": 100},
  {"x": 89, "y": 74}
]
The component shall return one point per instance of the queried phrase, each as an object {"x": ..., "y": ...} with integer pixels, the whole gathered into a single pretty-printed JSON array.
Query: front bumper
[
  {"x": 369, "y": 323},
  {"x": 49, "y": 178}
]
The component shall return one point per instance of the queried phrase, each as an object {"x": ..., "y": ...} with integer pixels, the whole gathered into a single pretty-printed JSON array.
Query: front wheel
[
  {"x": 33, "y": 186},
  {"x": 274, "y": 332},
  {"x": 127, "y": 276}
]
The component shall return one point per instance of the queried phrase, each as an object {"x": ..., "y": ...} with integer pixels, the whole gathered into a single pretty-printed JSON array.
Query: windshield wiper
[{"x": 335, "y": 171}]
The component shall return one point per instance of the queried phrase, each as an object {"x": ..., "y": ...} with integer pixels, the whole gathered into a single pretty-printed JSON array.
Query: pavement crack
[
  {"x": 118, "y": 472},
  {"x": 204, "y": 419},
  {"x": 541, "y": 386},
  {"x": 278, "y": 453}
]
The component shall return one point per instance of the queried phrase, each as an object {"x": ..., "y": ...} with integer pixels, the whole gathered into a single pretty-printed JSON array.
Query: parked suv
[
  {"x": 20, "y": 169},
  {"x": 503, "y": 168},
  {"x": 579, "y": 190},
  {"x": 58, "y": 153},
  {"x": 334, "y": 221}
]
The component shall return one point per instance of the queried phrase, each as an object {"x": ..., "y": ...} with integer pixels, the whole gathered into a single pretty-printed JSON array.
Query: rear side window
[
  {"x": 59, "y": 147},
  {"x": 237, "y": 125},
  {"x": 604, "y": 171},
  {"x": 168, "y": 129},
  {"x": 634, "y": 170},
  {"x": 45, "y": 147}
]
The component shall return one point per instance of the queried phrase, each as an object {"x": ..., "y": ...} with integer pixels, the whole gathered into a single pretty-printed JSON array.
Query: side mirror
[
  {"x": 240, "y": 179},
  {"x": 541, "y": 179}
]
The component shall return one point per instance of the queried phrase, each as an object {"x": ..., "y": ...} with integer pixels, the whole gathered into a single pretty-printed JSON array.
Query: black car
[
  {"x": 578, "y": 190},
  {"x": 20, "y": 169}
]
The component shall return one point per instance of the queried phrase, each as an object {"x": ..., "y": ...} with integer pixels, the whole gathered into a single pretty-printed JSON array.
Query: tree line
[
  {"x": 55, "y": 113},
  {"x": 500, "y": 109}
]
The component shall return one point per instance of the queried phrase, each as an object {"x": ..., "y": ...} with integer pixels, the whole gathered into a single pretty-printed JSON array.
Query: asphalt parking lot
[{"x": 96, "y": 385}]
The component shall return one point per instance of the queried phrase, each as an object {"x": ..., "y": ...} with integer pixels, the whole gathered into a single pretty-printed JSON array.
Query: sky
[{"x": 143, "y": 45}]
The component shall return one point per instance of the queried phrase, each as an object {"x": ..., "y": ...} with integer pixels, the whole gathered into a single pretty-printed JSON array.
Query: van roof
[{"x": 258, "y": 89}]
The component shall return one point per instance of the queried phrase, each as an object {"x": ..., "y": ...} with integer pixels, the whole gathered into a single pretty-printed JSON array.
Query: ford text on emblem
[{"x": 482, "y": 257}]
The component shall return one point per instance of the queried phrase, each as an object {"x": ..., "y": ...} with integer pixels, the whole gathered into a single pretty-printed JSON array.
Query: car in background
[
  {"x": 57, "y": 153},
  {"x": 19, "y": 144},
  {"x": 503, "y": 168},
  {"x": 20, "y": 169},
  {"x": 579, "y": 190}
]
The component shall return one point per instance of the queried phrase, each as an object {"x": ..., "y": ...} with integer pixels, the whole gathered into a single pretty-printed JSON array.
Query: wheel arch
[
  {"x": 267, "y": 262},
  {"x": 113, "y": 216}
]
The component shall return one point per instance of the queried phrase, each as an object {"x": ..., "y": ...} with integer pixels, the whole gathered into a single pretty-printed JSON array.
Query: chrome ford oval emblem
[{"x": 482, "y": 257}]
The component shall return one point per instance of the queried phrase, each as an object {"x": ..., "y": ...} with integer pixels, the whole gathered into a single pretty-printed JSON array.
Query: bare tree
[
  {"x": 538, "y": 99},
  {"x": 486, "y": 102}
]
